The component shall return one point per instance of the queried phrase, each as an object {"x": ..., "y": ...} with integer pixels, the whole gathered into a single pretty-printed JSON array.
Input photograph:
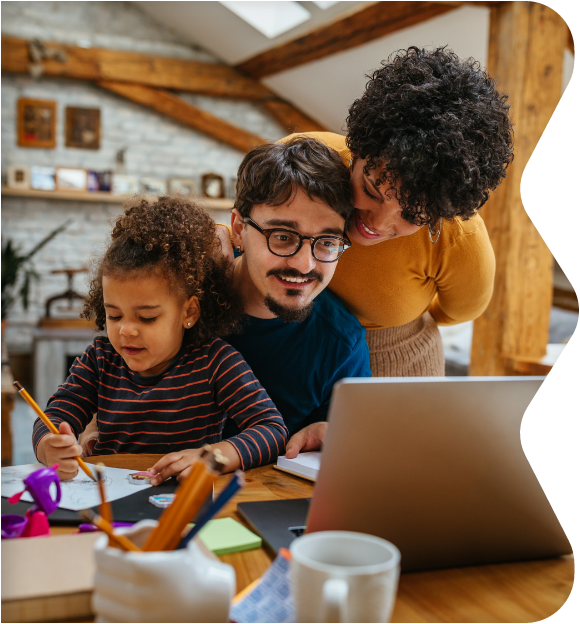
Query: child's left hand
[{"x": 178, "y": 463}]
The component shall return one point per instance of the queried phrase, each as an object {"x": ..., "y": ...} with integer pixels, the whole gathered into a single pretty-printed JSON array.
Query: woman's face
[{"x": 377, "y": 215}]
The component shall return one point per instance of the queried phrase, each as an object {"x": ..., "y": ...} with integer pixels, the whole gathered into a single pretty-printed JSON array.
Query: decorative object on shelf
[
  {"x": 18, "y": 176},
  {"x": 124, "y": 184},
  {"x": 66, "y": 315},
  {"x": 71, "y": 179},
  {"x": 93, "y": 181},
  {"x": 38, "y": 52},
  {"x": 182, "y": 186},
  {"x": 232, "y": 188},
  {"x": 105, "y": 181},
  {"x": 83, "y": 127},
  {"x": 36, "y": 123},
  {"x": 42, "y": 178},
  {"x": 120, "y": 161},
  {"x": 17, "y": 270},
  {"x": 153, "y": 186},
  {"x": 212, "y": 185}
]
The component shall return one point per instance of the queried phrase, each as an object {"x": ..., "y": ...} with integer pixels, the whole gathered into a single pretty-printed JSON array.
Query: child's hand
[
  {"x": 62, "y": 450},
  {"x": 178, "y": 463}
]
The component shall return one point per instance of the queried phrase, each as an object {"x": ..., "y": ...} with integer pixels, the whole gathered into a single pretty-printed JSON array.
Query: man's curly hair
[
  {"x": 174, "y": 236},
  {"x": 437, "y": 128}
]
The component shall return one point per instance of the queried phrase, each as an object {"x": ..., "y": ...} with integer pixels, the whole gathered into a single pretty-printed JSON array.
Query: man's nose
[{"x": 303, "y": 261}]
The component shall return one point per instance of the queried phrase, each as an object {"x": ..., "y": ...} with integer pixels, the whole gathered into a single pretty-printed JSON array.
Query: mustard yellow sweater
[{"x": 396, "y": 281}]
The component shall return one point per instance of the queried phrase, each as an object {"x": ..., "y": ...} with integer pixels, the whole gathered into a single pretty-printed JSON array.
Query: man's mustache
[{"x": 313, "y": 275}]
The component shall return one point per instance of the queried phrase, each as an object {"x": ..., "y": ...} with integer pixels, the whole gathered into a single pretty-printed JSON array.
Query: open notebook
[{"x": 305, "y": 465}]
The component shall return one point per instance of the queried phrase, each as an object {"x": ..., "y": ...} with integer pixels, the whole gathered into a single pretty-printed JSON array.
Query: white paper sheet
[
  {"x": 78, "y": 493},
  {"x": 304, "y": 464}
]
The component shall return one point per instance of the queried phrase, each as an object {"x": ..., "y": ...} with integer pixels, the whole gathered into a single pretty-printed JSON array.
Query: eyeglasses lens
[{"x": 286, "y": 244}]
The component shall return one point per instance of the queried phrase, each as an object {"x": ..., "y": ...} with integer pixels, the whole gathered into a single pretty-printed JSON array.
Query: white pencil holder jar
[{"x": 185, "y": 585}]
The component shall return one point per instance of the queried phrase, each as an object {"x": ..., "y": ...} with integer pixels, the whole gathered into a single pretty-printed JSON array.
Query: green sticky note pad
[{"x": 225, "y": 535}]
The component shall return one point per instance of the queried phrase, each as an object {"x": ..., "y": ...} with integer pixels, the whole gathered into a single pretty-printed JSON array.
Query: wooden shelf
[{"x": 101, "y": 197}]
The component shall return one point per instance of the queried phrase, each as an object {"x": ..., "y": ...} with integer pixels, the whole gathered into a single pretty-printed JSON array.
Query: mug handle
[{"x": 334, "y": 596}]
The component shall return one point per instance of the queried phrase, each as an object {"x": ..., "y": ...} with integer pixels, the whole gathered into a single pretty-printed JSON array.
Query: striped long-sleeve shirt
[{"x": 186, "y": 406}]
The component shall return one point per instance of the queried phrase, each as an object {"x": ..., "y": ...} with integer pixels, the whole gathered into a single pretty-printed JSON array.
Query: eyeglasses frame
[{"x": 268, "y": 232}]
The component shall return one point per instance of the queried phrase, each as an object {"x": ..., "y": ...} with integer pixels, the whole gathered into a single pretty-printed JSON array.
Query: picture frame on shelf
[
  {"x": 213, "y": 186},
  {"x": 183, "y": 186},
  {"x": 122, "y": 184},
  {"x": 36, "y": 123},
  {"x": 71, "y": 179},
  {"x": 105, "y": 181},
  {"x": 42, "y": 178},
  {"x": 153, "y": 186},
  {"x": 18, "y": 177},
  {"x": 83, "y": 127},
  {"x": 93, "y": 182}
]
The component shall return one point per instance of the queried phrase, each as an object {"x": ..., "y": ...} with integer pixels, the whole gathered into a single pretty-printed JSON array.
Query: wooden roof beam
[{"x": 98, "y": 64}]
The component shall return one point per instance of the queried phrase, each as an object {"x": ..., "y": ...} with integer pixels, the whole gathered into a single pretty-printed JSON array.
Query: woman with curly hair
[
  {"x": 161, "y": 380},
  {"x": 427, "y": 141}
]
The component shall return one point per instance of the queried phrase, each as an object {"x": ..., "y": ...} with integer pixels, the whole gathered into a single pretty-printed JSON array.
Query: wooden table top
[{"x": 509, "y": 592}]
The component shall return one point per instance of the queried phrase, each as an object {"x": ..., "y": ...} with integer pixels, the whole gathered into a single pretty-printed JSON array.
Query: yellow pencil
[
  {"x": 48, "y": 423},
  {"x": 123, "y": 542}
]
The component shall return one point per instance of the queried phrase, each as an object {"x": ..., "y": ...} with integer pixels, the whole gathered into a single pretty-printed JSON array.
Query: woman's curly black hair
[
  {"x": 174, "y": 236},
  {"x": 437, "y": 128}
]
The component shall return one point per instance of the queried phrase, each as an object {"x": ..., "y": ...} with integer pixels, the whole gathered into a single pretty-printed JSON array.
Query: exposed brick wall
[{"x": 156, "y": 146}]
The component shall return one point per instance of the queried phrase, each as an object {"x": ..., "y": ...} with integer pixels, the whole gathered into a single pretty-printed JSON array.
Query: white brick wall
[{"x": 156, "y": 146}]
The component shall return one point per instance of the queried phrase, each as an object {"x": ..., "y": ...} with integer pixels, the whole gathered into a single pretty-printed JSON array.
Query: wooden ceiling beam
[
  {"x": 177, "y": 109},
  {"x": 358, "y": 27},
  {"x": 97, "y": 64}
]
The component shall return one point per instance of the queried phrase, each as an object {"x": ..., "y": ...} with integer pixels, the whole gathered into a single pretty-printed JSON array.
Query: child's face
[{"x": 146, "y": 321}]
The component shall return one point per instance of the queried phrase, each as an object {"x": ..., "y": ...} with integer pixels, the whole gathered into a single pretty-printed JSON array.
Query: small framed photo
[
  {"x": 153, "y": 186},
  {"x": 105, "y": 181},
  {"x": 42, "y": 178},
  {"x": 83, "y": 127},
  {"x": 122, "y": 184},
  {"x": 212, "y": 185},
  {"x": 18, "y": 177},
  {"x": 71, "y": 179},
  {"x": 36, "y": 123},
  {"x": 232, "y": 188},
  {"x": 182, "y": 186},
  {"x": 92, "y": 181}
]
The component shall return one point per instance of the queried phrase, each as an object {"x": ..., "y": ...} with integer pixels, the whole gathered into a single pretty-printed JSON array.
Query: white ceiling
[{"x": 324, "y": 88}]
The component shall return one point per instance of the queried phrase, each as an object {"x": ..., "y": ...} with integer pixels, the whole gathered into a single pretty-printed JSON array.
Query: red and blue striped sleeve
[
  {"x": 75, "y": 400},
  {"x": 263, "y": 434}
]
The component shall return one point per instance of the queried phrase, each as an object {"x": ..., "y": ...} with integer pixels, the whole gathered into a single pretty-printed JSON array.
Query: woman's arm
[{"x": 465, "y": 277}]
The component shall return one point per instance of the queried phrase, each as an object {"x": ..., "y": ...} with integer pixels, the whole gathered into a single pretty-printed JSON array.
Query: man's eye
[
  {"x": 113, "y": 318},
  {"x": 147, "y": 319},
  {"x": 283, "y": 238},
  {"x": 330, "y": 242}
]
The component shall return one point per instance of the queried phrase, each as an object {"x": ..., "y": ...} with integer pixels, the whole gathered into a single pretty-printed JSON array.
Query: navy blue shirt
[{"x": 299, "y": 363}]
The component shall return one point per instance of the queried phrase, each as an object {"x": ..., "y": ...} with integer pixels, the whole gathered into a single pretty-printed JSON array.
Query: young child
[{"x": 161, "y": 381}]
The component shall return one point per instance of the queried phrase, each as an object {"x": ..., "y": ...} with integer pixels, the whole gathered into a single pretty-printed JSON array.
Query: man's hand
[
  {"x": 308, "y": 439},
  {"x": 61, "y": 449},
  {"x": 223, "y": 234}
]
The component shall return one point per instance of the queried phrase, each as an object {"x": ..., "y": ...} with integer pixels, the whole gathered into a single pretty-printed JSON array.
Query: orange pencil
[
  {"x": 123, "y": 542},
  {"x": 48, "y": 423},
  {"x": 105, "y": 507}
]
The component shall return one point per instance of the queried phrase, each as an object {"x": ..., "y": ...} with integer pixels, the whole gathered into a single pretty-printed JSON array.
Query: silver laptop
[{"x": 435, "y": 465}]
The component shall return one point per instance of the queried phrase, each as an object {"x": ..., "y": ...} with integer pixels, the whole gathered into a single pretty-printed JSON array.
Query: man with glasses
[{"x": 288, "y": 229}]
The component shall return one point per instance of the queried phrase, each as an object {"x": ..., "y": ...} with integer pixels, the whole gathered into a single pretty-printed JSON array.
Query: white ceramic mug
[
  {"x": 185, "y": 585},
  {"x": 342, "y": 576}
]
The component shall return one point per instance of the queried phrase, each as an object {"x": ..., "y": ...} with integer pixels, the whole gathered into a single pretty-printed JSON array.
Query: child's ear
[
  {"x": 237, "y": 227},
  {"x": 192, "y": 312}
]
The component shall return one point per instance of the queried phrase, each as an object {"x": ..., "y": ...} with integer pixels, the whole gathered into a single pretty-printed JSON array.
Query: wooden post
[{"x": 526, "y": 52}]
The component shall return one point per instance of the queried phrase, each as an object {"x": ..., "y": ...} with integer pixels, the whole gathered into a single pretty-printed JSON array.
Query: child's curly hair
[{"x": 175, "y": 236}]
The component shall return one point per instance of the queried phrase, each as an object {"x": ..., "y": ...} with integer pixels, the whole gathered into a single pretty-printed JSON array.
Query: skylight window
[
  {"x": 325, "y": 4},
  {"x": 270, "y": 18}
]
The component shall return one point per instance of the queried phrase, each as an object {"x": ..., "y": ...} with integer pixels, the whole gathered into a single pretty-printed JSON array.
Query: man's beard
[{"x": 286, "y": 313}]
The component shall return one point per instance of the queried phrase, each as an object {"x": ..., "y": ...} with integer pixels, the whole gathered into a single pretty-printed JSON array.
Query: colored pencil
[
  {"x": 48, "y": 423},
  {"x": 236, "y": 482},
  {"x": 121, "y": 540},
  {"x": 105, "y": 507},
  {"x": 190, "y": 496}
]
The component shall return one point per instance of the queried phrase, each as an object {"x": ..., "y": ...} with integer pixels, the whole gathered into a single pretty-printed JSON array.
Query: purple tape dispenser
[{"x": 35, "y": 522}]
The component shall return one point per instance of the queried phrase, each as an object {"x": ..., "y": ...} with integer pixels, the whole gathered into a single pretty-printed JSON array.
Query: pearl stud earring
[{"x": 189, "y": 324}]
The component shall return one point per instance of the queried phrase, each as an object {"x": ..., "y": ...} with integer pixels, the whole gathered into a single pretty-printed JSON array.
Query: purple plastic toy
[{"x": 35, "y": 522}]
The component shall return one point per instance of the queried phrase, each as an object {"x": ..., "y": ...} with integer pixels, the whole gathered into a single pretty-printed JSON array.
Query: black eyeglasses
[{"x": 284, "y": 243}]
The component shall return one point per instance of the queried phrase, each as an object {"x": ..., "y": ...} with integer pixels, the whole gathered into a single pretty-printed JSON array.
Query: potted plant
[{"x": 18, "y": 272}]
